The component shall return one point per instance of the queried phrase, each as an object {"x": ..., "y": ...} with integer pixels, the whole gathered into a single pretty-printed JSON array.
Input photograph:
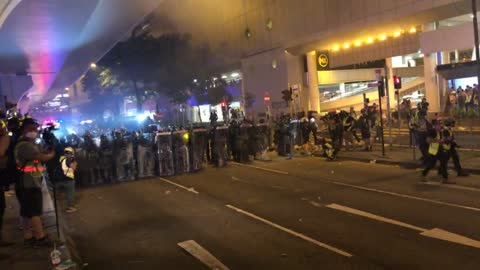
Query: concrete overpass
[{"x": 48, "y": 44}]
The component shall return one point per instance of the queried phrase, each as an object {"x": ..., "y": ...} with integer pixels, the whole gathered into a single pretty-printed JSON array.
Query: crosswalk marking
[
  {"x": 433, "y": 233},
  {"x": 202, "y": 255},
  {"x": 289, "y": 231}
]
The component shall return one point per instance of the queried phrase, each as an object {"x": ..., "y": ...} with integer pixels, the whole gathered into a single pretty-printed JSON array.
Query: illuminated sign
[{"x": 323, "y": 60}]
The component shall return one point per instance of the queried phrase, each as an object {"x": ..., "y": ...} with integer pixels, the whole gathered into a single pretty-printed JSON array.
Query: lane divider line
[
  {"x": 178, "y": 185},
  {"x": 450, "y": 186},
  {"x": 291, "y": 232},
  {"x": 409, "y": 196},
  {"x": 260, "y": 168},
  {"x": 432, "y": 233},
  {"x": 197, "y": 251},
  {"x": 373, "y": 216}
]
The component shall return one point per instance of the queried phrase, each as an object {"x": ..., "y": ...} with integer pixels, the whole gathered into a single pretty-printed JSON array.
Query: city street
[{"x": 304, "y": 213}]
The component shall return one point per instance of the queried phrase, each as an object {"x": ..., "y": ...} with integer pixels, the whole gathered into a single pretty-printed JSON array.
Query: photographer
[{"x": 69, "y": 165}]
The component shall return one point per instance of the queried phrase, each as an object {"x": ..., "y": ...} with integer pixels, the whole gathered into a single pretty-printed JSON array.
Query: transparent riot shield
[
  {"x": 165, "y": 154},
  {"x": 146, "y": 157},
  {"x": 198, "y": 141},
  {"x": 220, "y": 154},
  {"x": 181, "y": 153},
  {"x": 245, "y": 143},
  {"x": 261, "y": 140}
]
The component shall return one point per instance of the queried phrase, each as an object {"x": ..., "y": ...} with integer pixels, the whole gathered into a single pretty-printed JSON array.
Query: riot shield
[
  {"x": 198, "y": 140},
  {"x": 145, "y": 157},
  {"x": 180, "y": 151},
  {"x": 165, "y": 154},
  {"x": 219, "y": 155}
]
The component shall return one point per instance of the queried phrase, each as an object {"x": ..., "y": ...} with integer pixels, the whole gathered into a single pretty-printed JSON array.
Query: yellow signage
[{"x": 323, "y": 60}]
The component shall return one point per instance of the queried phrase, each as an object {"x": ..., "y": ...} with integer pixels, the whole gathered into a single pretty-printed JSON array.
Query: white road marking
[
  {"x": 373, "y": 216},
  {"x": 260, "y": 168},
  {"x": 451, "y": 237},
  {"x": 433, "y": 233},
  {"x": 178, "y": 185},
  {"x": 289, "y": 231},
  {"x": 202, "y": 255},
  {"x": 450, "y": 186},
  {"x": 408, "y": 196}
]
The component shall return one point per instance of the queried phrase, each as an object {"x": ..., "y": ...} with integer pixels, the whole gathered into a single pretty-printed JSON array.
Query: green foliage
[{"x": 146, "y": 64}]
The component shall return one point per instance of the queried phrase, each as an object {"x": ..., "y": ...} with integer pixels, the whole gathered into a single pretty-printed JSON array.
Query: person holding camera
[
  {"x": 30, "y": 164},
  {"x": 69, "y": 165}
]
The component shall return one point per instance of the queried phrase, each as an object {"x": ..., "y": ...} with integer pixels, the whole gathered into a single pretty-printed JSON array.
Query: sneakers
[{"x": 71, "y": 209}]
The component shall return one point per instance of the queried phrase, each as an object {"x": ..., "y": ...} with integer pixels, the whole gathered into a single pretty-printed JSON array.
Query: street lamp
[{"x": 93, "y": 65}]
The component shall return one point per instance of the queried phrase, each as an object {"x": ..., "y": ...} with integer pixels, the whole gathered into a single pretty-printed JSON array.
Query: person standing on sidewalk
[
  {"x": 30, "y": 161},
  {"x": 69, "y": 165},
  {"x": 4, "y": 144},
  {"x": 437, "y": 151}
]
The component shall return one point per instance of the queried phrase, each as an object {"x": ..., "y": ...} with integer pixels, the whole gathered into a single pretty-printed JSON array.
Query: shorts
[{"x": 31, "y": 202}]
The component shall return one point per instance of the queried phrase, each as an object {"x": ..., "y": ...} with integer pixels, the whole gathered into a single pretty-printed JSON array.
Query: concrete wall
[
  {"x": 308, "y": 24},
  {"x": 259, "y": 77}
]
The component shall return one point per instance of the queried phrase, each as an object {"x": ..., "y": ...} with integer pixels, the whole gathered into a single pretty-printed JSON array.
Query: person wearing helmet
[
  {"x": 30, "y": 164},
  {"x": 69, "y": 165}
]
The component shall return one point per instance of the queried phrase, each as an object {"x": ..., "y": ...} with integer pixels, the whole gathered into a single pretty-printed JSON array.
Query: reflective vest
[
  {"x": 447, "y": 146},
  {"x": 434, "y": 147},
  {"x": 34, "y": 168},
  {"x": 67, "y": 171}
]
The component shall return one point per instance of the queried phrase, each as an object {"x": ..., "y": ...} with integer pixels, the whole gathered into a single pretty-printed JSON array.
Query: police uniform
[{"x": 437, "y": 151}]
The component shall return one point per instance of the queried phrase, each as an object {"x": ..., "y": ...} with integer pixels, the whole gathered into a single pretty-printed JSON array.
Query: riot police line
[{"x": 125, "y": 156}]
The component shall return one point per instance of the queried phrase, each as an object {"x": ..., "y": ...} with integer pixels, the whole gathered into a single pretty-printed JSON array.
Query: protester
[
  {"x": 30, "y": 161},
  {"x": 69, "y": 166}
]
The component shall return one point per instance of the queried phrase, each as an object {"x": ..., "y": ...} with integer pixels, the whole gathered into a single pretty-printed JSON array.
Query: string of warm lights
[{"x": 371, "y": 39}]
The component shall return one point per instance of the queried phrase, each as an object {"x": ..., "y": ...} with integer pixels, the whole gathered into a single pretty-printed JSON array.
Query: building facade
[{"x": 331, "y": 52}]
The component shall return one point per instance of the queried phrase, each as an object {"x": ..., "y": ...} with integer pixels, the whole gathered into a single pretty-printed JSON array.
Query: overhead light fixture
[
  {"x": 346, "y": 45},
  {"x": 397, "y": 33},
  {"x": 224, "y": 76},
  {"x": 412, "y": 30},
  {"x": 235, "y": 75},
  {"x": 370, "y": 40},
  {"x": 358, "y": 43},
  {"x": 382, "y": 37},
  {"x": 66, "y": 88},
  {"x": 336, "y": 48},
  {"x": 93, "y": 65}
]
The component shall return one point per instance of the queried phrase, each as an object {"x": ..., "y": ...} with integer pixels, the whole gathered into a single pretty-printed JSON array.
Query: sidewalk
[
  {"x": 19, "y": 257},
  {"x": 403, "y": 157}
]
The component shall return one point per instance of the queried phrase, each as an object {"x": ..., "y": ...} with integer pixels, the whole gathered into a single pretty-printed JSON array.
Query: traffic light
[
  {"x": 397, "y": 82},
  {"x": 381, "y": 88}
]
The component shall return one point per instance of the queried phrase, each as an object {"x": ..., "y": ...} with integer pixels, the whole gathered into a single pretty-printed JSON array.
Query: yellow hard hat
[
  {"x": 69, "y": 150},
  {"x": 2, "y": 124}
]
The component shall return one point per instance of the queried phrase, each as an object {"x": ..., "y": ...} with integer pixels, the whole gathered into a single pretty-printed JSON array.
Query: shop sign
[{"x": 323, "y": 60}]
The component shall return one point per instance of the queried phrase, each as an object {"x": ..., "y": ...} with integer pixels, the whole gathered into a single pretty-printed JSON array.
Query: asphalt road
[{"x": 304, "y": 213}]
